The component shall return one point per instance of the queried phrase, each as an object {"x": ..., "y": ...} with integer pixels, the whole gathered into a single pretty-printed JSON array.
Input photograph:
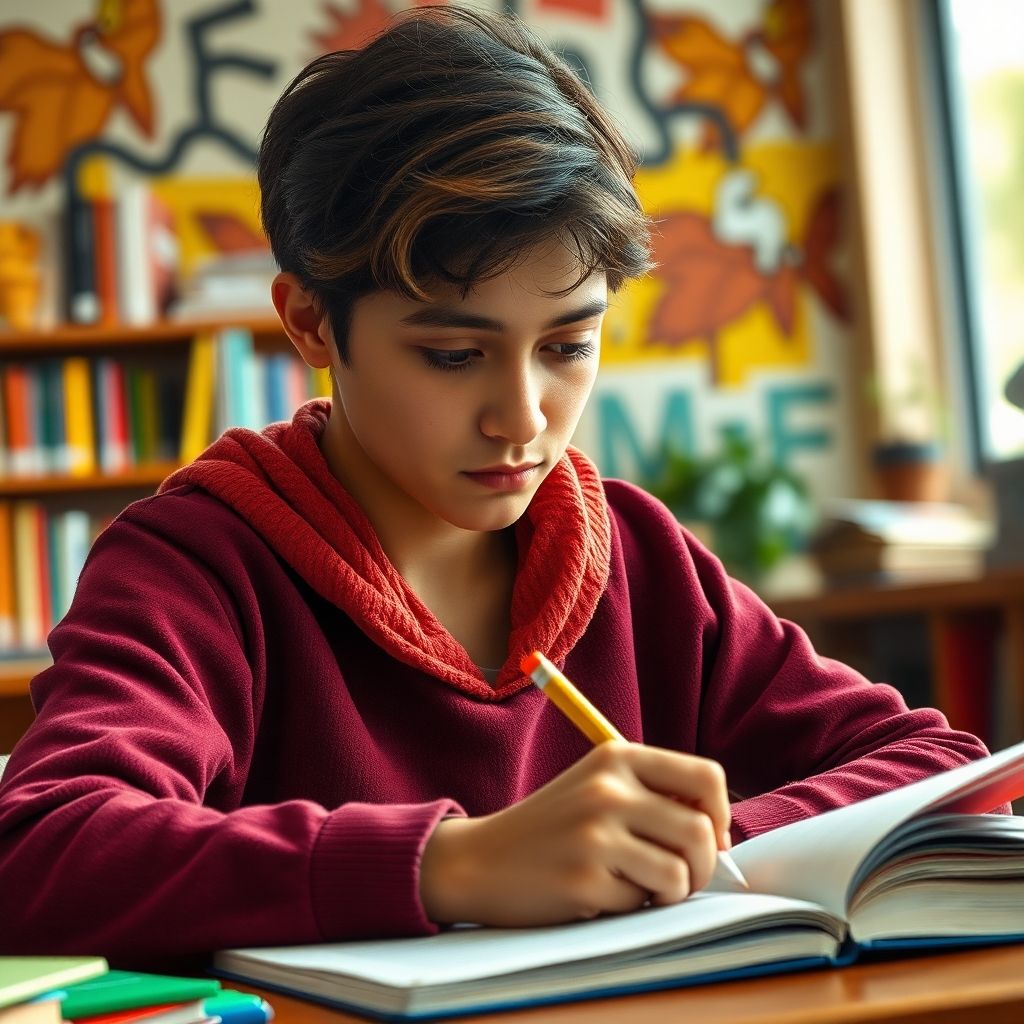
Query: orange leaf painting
[
  {"x": 62, "y": 94},
  {"x": 350, "y": 30},
  {"x": 730, "y": 75}
]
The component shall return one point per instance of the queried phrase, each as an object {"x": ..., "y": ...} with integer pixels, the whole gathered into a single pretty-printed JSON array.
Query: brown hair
[{"x": 441, "y": 152}]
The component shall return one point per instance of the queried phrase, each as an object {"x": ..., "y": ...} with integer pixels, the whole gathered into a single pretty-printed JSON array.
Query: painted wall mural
[{"x": 741, "y": 328}]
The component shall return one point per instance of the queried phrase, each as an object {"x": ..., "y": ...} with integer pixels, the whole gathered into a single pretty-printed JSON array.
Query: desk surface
[{"x": 954, "y": 988}]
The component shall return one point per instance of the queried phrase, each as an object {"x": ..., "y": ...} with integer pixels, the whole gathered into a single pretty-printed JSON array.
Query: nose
[{"x": 513, "y": 412}]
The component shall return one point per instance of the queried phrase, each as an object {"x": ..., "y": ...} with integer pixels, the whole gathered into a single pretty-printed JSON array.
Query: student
[{"x": 286, "y": 704}]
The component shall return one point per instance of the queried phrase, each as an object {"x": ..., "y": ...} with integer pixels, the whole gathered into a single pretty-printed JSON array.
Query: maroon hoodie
[{"x": 252, "y": 724}]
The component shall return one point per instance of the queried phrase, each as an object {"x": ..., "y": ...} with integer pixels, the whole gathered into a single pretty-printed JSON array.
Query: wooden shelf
[
  {"x": 15, "y": 675},
  {"x": 144, "y": 477},
  {"x": 994, "y": 587},
  {"x": 68, "y": 336}
]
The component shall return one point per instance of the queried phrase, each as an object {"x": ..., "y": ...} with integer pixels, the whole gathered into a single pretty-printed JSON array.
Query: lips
[{"x": 505, "y": 478}]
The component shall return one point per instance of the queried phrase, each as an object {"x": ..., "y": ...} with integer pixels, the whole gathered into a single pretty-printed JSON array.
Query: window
[{"x": 981, "y": 69}]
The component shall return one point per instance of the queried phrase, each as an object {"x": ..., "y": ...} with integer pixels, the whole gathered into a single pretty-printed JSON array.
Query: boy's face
[{"x": 456, "y": 409}]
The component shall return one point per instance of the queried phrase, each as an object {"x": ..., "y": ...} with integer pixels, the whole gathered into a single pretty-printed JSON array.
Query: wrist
[{"x": 447, "y": 872}]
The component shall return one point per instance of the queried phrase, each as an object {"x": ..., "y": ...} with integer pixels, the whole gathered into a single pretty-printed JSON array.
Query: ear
[{"x": 309, "y": 332}]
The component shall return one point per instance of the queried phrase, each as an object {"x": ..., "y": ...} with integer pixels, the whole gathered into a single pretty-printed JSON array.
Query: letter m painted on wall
[{"x": 621, "y": 452}]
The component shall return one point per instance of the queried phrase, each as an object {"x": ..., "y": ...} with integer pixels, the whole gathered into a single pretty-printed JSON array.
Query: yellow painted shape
[{"x": 794, "y": 175}]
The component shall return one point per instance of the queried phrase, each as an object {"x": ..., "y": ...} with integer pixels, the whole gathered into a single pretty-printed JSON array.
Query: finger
[
  {"x": 697, "y": 781},
  {"x": 681, "y": 830},
  {"x": 607, "y": 892},
  {"x": 664, "y": 876}
]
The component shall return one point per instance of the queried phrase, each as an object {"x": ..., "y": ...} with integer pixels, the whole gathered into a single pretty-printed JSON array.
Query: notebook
[
  {"x": 916, "y": 867},
  {"x": 23, "y": 977}
]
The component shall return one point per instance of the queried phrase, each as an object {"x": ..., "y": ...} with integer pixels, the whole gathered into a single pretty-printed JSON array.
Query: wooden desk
[{"x": 984, "y": 986}]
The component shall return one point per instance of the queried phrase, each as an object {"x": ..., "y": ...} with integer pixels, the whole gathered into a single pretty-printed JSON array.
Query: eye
[
  {"x": 572, "y": 351},
  {"x": 448, "y": 359}
]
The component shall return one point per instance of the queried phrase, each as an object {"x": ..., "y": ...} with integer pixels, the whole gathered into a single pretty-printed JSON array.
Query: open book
[{"x": 915, "y": 867}]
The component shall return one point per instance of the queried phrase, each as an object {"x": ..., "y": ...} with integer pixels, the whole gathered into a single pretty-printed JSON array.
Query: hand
[{"x": 625, "y": 824}]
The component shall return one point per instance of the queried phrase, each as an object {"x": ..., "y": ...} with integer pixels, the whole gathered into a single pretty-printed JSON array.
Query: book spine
[
  {"x": 149, "y": 414},
  {"x": 83, "y": 304},
  {"x": 117, "y": 395},
  {"x": 5, "y": 462},
  {"x": 136, "y": 292},
  {"x": 105, "y": 240},
  {"x": 40, "y": 456},
  {"x": 197, "y": 416},
  {"x": 78, "y": 417},
  {"x": 55, "y": 565},
  {"x": 77, "y": 540},
  {"x": 19, "y": 427},
  {"x": 8, "y": 611},
  {"x": 43, "y": 547},
  {"x": 27, "y": 575},
  {"x": 56, "y": 404}
]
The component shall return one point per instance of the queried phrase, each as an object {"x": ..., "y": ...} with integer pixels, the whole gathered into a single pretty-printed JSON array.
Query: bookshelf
[{"x": 167, "y": 349}]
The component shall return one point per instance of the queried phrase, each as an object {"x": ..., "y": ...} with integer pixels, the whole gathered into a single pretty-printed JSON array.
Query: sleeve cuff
[{"x": 365, "y": 869}]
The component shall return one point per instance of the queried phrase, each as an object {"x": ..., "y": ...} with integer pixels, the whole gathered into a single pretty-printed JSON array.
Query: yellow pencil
[{"x": 594, "y": 726}]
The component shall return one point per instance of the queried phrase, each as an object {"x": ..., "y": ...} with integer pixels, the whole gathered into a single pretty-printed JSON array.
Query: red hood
[{"x": 279, "y": 482}]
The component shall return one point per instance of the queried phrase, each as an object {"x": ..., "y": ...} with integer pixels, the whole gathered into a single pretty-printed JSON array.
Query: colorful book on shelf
[
  {"x": 70, "y": 537},
  {"x": 82, "y": 300},
  {"x": 236, "y": 390},
  {"x": 105, "y": 243},
  {"x": 54, "y": 430},
  {"x": 36, "y": 420},
  {"x": 917, "y": 867},
  {"x": 28, "y": 574},
  {"x": 81, "y": 438},
  {"x": 20, "y": 455},
  {"x": 26, "y": 977},
  {"x": 200, "y": 396},
  {"x": 111, "y": 415},
  {"x": 42, "y": 519},
  {"x": 5, "y": 469},
  {"x": 8, "y": 609}
]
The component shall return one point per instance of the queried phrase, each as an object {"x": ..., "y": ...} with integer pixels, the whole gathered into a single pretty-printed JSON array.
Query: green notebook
[
  {"x": 125, "y": 990},
  {"x": 22, "y": 977}
]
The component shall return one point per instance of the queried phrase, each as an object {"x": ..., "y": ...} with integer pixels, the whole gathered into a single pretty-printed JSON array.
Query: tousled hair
[{"x": 441, "y": 152}]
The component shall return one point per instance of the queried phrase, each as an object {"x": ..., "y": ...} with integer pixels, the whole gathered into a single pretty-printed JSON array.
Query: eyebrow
[{"x": 450, "y": 316}]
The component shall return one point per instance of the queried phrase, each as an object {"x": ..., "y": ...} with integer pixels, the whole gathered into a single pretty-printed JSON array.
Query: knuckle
[
  {"x": 605, "y": 791},
  {"x": 677, "y": 880},
  {"x": 712, "y": 774}
]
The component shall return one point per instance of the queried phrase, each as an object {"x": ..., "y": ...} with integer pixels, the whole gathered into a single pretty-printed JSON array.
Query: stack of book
[
  {"x": 31, "y": 987},
  {"x": 230, "y": 284},
  {"x": 51, "y": 990},
  {"x": 866, "y": 541}
]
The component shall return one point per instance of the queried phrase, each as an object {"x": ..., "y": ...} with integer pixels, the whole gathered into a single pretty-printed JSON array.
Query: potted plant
[
  {"x": 909, "y": 457},
  {"x": 752, "y": 511}
]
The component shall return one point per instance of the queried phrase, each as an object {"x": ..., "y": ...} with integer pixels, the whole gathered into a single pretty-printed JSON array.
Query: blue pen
[{"x": 238, "y": 1008}]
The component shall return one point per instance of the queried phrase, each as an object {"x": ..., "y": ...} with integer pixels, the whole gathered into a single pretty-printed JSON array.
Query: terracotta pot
[{"x": 911, "y": 471}]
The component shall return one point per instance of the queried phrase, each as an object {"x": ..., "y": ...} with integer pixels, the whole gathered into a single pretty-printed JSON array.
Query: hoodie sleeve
[
  {"x": 122, "y": 825},
  {"x": 797, "y": 733}
]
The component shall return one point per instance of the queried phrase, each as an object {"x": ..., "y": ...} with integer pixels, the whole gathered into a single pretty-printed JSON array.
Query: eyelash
[{"x": 436, "y": 358}]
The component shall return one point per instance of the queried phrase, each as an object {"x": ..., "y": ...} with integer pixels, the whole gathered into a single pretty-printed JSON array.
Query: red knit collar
[{"x": 279, "y": 482}]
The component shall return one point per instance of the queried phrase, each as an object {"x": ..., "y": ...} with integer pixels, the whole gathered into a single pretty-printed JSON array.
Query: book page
[
  {"x": 465, "y": 953},
  {"x": 817, "y": 858}
]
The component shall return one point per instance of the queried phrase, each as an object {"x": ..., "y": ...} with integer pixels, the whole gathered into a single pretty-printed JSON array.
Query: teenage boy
[{"x": 286, "y": 705}]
